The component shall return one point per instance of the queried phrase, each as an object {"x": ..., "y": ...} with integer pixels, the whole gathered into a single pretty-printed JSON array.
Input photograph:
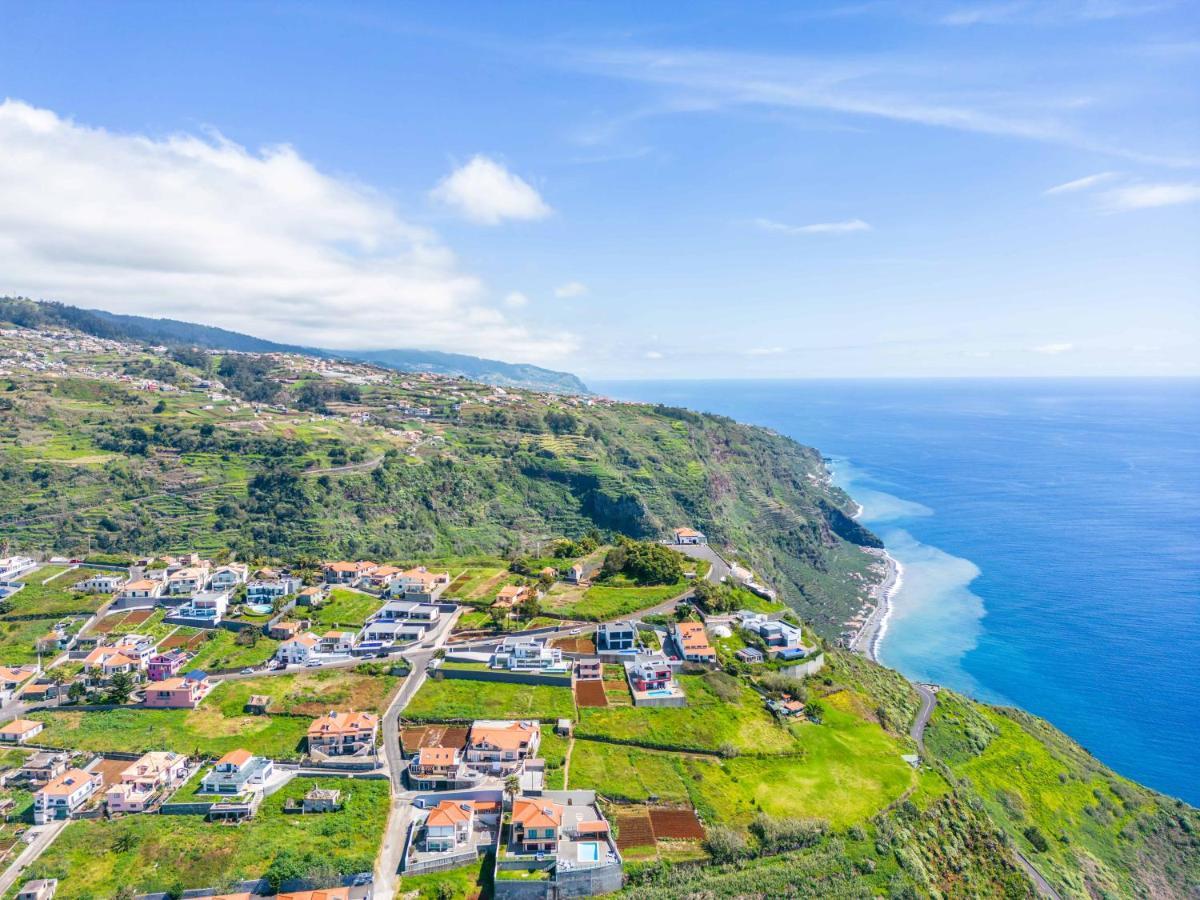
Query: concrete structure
[
  {"x": 343, "y": 734},
  {"x": 18, "y": 731},
  {"x": 155, "y": 775},
  {"x": 336, "y": 642},
  {"x": 501, "y": 747},
  {"x": 589, "y": 669},
  {"x": 519, "y": 654},
  {"x": 13, "y": 567},
  {"x": 228, "y": 577},
  {"x": 616, "y": 636},
  {"x": 103, "y": 583},
  {"x": 38, "y": 889},
  {"x": 270, "y": 590},
  {"x": 177, "y": 693},
  {"x": 321, "y": 800},
  {"x": 750, "y": 655},
  {"x": 420, "y": 584},
  {"x": 64, "y": 795},
  {"x": 206, "y": 609},
  {"x": 691, "y": 642},
  {"x": 237, "y": 772},
  {"x": 652, "y": 681},
  {"x": 44, "y": 767},
  {"x": 411, "y": 611}
]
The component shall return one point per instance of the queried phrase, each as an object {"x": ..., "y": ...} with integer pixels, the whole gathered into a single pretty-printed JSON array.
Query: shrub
[
  {"x": 726, "y": 844},
  {"x": 783, "y": 834},
  {"x": 1035, "y": 837}
]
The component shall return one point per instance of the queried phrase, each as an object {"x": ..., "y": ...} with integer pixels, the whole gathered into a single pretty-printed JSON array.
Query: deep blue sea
[{"x": 1049, "y": 532}]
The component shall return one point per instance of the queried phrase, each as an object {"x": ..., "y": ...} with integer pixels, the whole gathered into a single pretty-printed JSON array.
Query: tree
[
  {"x": 815, "y": 710},
  {"x": 512, "y": 787},
  {"x": 120, "y": 688},
  {"x": 725, "y": 844},
  {"x": 531, "y": 607},
  {"x": 76, "y": 691}
]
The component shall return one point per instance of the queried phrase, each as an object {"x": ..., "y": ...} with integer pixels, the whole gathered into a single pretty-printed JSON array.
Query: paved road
[
  {"x": 387, "y": 864},
  {"x": 45, "y": 837},
  {"x": 928, "y": 694},
  {"x": 928, "y": 702}
]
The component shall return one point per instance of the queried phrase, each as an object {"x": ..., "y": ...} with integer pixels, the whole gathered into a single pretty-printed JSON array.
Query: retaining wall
[{"x": 502, "y": 675}]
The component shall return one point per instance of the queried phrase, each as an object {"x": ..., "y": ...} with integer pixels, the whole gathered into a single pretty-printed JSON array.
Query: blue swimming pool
[{"x": 589, "y": 852}]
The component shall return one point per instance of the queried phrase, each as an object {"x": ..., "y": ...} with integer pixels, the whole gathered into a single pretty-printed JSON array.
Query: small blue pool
[{"x": 589, "y": 852}]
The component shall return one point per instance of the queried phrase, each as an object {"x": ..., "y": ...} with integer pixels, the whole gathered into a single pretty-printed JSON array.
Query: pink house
[
  {"x": 178, "y": 693},
  {"x": 165, "y": 665},
  {"x": 154, "y": 774}
]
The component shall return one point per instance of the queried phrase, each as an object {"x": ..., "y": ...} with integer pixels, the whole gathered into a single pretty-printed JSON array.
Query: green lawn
[
  {"x": 455, "y": 884},
  {"x": 345, "y": 610},
  {"x": 553, "y": 751},
  {"x": 58, "y": 598},
  {"x": 207, "y": 730},
  {"x": 17, "y": 638},
  {"x": 448, "y": 699},
  {"x": 707, "y": 723},
  {"x": 607, "y": 601},
  {"x": 308, "y": 693},
  {"x": 93, "y": 859},
  {"x": 845, "y": 770},
  {"x": 220, "y": 650}
]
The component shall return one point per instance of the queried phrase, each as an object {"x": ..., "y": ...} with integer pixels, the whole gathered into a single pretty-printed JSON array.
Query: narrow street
[{"x": 46, "y": 835}]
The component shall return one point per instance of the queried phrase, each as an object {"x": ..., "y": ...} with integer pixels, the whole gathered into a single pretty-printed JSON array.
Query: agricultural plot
[
  {"x": 18, "y": 637},
  {"x": 207, "y": 730},
  {"x": 219, "y": 648},
  {"x": 344, "y": 609},
  {"x": 308, "y": 693},
  {"x": 139, "y": 621},
  {"x": 606, "y": 601},
  {"x": 735, "y": 717},
  {"x": 96, "y": 858},
  {"x": 58, "y": 596},
  {"x": 450, "y": 700}
]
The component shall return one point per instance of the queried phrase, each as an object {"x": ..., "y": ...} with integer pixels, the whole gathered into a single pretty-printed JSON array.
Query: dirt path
[{"x": 567, "y": 762}]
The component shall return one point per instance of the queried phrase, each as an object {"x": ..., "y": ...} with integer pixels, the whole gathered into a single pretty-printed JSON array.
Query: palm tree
[{"x": 512, "y": 787}]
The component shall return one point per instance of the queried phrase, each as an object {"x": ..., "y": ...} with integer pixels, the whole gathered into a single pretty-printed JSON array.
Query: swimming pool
[
  {"x": 589, "y": 851},
  {"x": 661, "y": 692}
]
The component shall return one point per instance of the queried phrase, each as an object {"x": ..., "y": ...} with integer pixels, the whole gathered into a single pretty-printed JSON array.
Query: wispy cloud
[
  {"x": 1081, "y": 184},
  {"x": 202, "y": 229},
  {"x": 1046, "y": 12},
  {"x": 570, "y": 289},
  {"x": 485, "y": 192},
  {"x": 847, "y": 227},
  {"x": 515, "y": 300},
  {"x": 764, "y": 351},
  {"x": 653, "y": 354},
  {"x": 1053, "y": 349},
  {"x": 1150, "y": 196}
]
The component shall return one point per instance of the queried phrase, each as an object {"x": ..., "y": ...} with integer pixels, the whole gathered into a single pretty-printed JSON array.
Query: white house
[
  {"x": 12, "y": 567},
  {"x": 107, "y": 583},
  {"x": 616, "y": 636},
  {"x": 336, "y": 642},
  {"x": 449, "y": 825},
  {"x": 268, "y": 590},
  {"x": 64, "y": 795},
  {"x": 237, "y": 772},
  {"x": 408, "y": 611},
  {"x": 689, "y": 536},
  {"x": 226, "y": 578},
  {"x": 523, "y": 655},
  {"x": 188, "y": 580},
  {"x": 298, "y": 650}
]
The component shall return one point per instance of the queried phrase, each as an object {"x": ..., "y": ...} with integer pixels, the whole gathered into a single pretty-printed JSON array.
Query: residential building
[
  {"x": 691, "y": 640},
  {"x": 298, "y": 650},
  {"x": 64, "y": 795},
  {"x": 11, "y": 680},
  {"x": 166, "y": 665},
  {"x": 408, "y": 611},
  {"x": 237, "y": 772},
  {"x": 321, "y": 800},
  {"x": 347, "y": 572},
  {"x": 105, "y": 662},
  {"x": 228, "y": 577},
  {"x": 575, "y": 574},
  {"x": 104, "y": 583},
  {"x": 270, "y": 590},
  {"x": 285, "y": 631},
  {"x": 343, "y": 733},
  {"x": 187, "y": 580},
  {"x": 38, "y": 889},
  {"x": 750, "y": 655},
  {"x": 384, "y": 577},
  {"x": 207, "y": 607},
  {"x": 435, "y": 762},
  {"x": 511, "y": 595},
  {"x": 155, "y": 774},
  {"x": 141, "y": 589},
  {"x": 421, "y": 584},
  {"x": 336, "y": 642},
  {"x": 44, "y": 766},
  {"x": 18, "y": 731},
  {"x": 589, "y": 669},
  {"x": 311, "y": 596},
  {"x": 178, "y": 693},
  {"x": 536, "y": 824},
  {"x": 502, "y": 746},
  {"x": 616, "y": 636},
  {"x": 689, "y": 536},
  {"x": 382, "y": 634},
  {"x": 13, "y": 567},
  {"x": 449, "y": 825},
  {"x": 137, "y": 647},
  {"x": 653, "y": 673},
  {"x": 524, "y": 655}
]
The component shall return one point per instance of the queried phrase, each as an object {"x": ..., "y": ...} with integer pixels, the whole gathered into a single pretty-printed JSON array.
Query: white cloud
[
  {"x": 485, "y": 192},
  {"x": 1045, "y": 12},
  {"x": 764, "y": 351},
  {"x": 203, "y": 229},
  {"x": 1081, "y": 184},
  {"x": 653, "y": 354},
  {"x": 570, "y": 289},
  {"x": 1149, "y": 196},
  {"x": 1054, "y": 349},
  {"x": 515, "y": 300},
  {"x": 847, "y": 227}
]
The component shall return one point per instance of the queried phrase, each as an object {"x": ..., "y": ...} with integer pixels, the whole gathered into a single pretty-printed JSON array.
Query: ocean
[{"x": 1049, "y": 532}]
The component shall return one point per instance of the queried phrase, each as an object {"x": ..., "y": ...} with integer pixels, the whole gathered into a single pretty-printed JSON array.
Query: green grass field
[
  {"x": 206, "y": 730},
  {"x": 844, "y": 771},
  {"x": 707, "y": 723},
  {"x": 92, "y": 859},
  {"x": 455, "y": 884},
  {"x": 58, "y": 598},
  {"x": 222, "y": 651},
  {"x": 17, "y": 638},
  {"x": 604, "y": 601},
  {"x": 447, "y": 699},
  {"x": 308, "y": 693},
  {"x": 345, "y": 610}
]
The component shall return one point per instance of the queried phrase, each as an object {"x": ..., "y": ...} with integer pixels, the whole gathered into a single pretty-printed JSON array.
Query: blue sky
[{"x": 716, "y": 189}]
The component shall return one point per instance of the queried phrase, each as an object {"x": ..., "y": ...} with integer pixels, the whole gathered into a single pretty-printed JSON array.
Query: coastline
[{"x": 870, "y": 636}]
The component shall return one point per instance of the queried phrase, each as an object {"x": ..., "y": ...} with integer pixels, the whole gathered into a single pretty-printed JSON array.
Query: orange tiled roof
[
  {"x": 436, "y": 756},
  {"x": 536, "y": 813},
  {"x": 343, "y": 723},
  {"x": 447, "y": 813},
  {"x": 236, "y": 757},
  {"x": 67, "y": 783},
  {"x": 510, "y": 737},
  {"x": 20, "y": 726}
]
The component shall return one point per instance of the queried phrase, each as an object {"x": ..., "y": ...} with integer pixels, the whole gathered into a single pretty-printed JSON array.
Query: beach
[{"x": 870, "y": 635}]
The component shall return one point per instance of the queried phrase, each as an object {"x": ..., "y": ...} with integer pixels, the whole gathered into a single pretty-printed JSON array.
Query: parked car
[
  {"x": 312, "y": 664},
  {"x": 247, "y": 671}
]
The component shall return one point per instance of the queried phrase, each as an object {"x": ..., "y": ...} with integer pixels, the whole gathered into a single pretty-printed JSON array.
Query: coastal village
[{"x": 184, "y": 635}]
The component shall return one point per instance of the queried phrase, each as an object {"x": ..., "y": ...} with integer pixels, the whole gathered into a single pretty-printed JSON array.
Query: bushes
[
  {"x": 781, "y": 835},
  {"x": 726, "y": 844},
  {"x": 1034, "y": 835},
  {"x": 726, "y": 687},
  {"x": 644, "y": 562}
]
